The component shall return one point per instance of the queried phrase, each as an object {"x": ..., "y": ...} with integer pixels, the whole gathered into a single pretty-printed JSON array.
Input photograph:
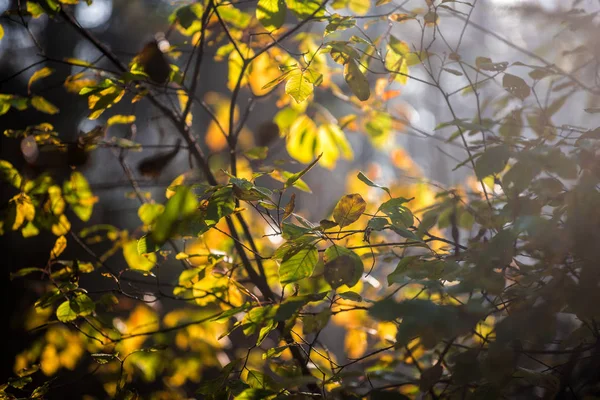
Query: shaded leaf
[
  {"x": 516, "y": 86},
  {"x": 492, "y": 161},
  {"x": 356, "y": 80}
]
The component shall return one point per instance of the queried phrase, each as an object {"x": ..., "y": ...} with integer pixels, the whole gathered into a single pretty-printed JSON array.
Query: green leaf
[
  {"x": 180, "y": 206},
  {"x": 516, "y": 86},
  {"x": 43, "y": 105},
  {"x": 349, "y": 209},
  {"x": 400, "y": 216},
  {"x": 146, "y": 245},
  {"x": 257, "y": 153},
  {"x": 353, "y": 296},
  {"x": 377, "y": 223},
  {"x": 259, "y": 380},
  {"x": 261, "y": 319},
  {"x": 369, "y": 182},
  {"x": 19, "y": 383},
  {"x": 255, "y": 394},
  {"x": 292, "y": 179},
  {"x": 298, "y": 265},
  {"x": 405, "y": 233},
  {"x": 189, "y": 17},
  {"x": 9, "y": 174},
  {"x": 356, "y": 80},
  {"x": 315, "y": 323},
  {"x": 274, "y": 352},
  {"x": 80, "y": 305},
  {"x": 271, "y": 13},
  {"x": 304, "y": 9},
  {"x": 25, "y": 271},
  {"x": 492, "y": 161},
  {"x": 343, "y": 267}
]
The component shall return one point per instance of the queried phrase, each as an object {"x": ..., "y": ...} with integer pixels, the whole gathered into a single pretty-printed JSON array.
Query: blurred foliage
[{"x": 483, "y": 290}]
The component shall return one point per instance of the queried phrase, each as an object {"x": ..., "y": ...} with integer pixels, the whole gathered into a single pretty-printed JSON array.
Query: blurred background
[{"x": 504, "y": 30}]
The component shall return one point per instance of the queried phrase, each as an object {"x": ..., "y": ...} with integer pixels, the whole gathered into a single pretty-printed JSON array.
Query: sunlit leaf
[
  {"x": 349, "y": 209},
  {"x": 78, "y": 194},
  {"x": 37, "y": 75},
  {"x": 178, "y": 207},
  {"x": 59, "y": 246},
  {"x": 79, "y": 305},
  {"x": 305, "y": 8},
  {"x": 135, "y": 260},
  {"x": 10, "y": 174},
  {"x": 363, "y": 178},
  {"x": 271, "y": 13},
  {"x": 355, "y": 342},
  {"x": 43, "y": 105},
  {"x": 120, "y": 119},
  {"x": 148, "y": 212},
  {"x": 298, "y": 85},
  {"x": 298, "y": 265}
]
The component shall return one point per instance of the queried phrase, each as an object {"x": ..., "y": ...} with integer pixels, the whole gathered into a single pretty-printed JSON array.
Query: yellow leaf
[
  {"x": 43, "y": 105},
  {"x": 24, "y": 208},
  {"x": 121, "y": 119},
  {"x": 332, "y": 142},
  {"x": 1, "y": 32},
  {"x": 176, "y": 182},
  {"x": 355, "y": 343},
  {"x": 62, "y": 227},
  {"x": 397, "y": 65},
  {"x": 349, "y": 209},
  {"x": 298, "y": 86},
  {"x": 59, "y": 246},
  {"x": 215, "y": 138},
  {"x": 37, "y": 75},
  {"x": 74, "y": 83},
  {"x": 359, "y": 7},
  {"x": 30, "y": 230},
  {"x": 484, "y": 329},
  {"x": 263, "y": 70},
  {"x": 235, "y": 66},
  {"x": 301, "y": 139},
  {"x": 183, "y": 99},
  {"x": 136, "y": 261}
]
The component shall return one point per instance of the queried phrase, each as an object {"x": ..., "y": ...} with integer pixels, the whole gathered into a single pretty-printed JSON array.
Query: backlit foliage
[{"x": 404, "y": 289}]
